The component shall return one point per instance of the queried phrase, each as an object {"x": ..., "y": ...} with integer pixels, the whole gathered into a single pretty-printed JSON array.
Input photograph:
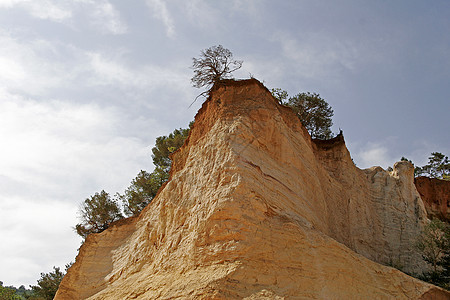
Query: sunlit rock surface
[{"x": 255, "y": 209}]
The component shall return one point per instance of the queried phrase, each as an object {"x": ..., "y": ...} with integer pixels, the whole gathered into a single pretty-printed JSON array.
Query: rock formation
[
  {"x": 435, "y": 194},
  {"x": 255, "y": 209}
]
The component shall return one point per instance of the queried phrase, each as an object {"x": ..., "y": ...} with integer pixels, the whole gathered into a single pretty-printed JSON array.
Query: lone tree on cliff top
[{"x": 214, "y": 64}]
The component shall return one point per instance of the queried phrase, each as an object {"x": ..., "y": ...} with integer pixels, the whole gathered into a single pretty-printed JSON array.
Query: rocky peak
[{"x": 256, "y": 209}]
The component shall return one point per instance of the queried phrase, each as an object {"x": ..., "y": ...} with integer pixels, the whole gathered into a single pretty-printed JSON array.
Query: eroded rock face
[
  {"x": 435, "y": 194},
  {"x": 255, "y": 209}
]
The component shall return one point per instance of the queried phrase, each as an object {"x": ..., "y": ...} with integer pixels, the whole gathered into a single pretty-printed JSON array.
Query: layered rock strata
[{"x": 255, "y": 209}]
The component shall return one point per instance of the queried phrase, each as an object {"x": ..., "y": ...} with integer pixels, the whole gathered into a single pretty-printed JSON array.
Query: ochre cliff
[
  {"x": 255, "y": 209},
  {"x": 435, "y": 194}
]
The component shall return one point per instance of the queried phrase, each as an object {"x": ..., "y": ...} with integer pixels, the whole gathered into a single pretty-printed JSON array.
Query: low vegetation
[{"x": 45, "y": 289}]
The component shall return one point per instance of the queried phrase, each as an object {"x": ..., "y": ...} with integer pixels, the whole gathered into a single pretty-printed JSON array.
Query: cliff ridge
[{"x": 256, "y": 209}]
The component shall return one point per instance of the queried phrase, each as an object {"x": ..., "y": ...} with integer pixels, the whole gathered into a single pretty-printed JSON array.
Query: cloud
[
  {"x": 42, "y": 9},
  {"x": 36, "y": 235},
  {"x": 56, "y": 154},
  {"x": 101, "y": 14},
  {"x": 34, "y": 65},
  {"x": 161, "y": 12},
  {"x": 373, "y": 155},
  {"x": 40, "y": 68},
  {"x": 317, "y": 56},
  {"x": 105, "y": 17},
  {"x": 63, "y": 148},
  {"x": 113, "y": 70},
  {"x": 390, "y": 150}
]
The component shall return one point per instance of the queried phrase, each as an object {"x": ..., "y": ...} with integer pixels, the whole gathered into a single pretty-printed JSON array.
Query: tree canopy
[
  {"x": 279, "y": 94},
  {"x": 438, "y": 167},
  {"x": 214, "y": 63},
  {"x": 100, "y": 210},
  {"x": 48, "y": 284},
  {"x": 165, "y": 146},
  {"x": 146, "y": 185},
  {"x": 97, "y": 213},
  {"x": 8, "y": 293},
  {"x": 312, "y": 110},
  {"x": 434, "y": 244},
  {"x": 141, "y": 191}
]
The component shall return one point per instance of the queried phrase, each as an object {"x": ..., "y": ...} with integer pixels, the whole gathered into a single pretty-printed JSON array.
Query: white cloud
[
  {"x": 35, "y": 66},
  {"x": 387, "y": 152},
  {"x": 318, "y": 56},
  {"x": 201, "y": 14},
  {"x": 373, "y": 155},
  {"x": 65, "y": 148},
  {"x": 112, "y": 70},
  {"x": 37, "y": 235},
  {"x": 161, "y": 12},
  {"x": 55, "y": 154},
  {"x": 105, "y": 16},
  {"x": 42, "y": 9},
  {"x": 100, "y": 13}
]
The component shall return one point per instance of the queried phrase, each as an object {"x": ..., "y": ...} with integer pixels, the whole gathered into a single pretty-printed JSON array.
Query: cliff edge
[{"x": 256, "y": 209}]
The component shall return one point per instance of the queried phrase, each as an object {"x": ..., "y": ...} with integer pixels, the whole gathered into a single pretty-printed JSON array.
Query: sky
[{"x": 86, "y": 86}]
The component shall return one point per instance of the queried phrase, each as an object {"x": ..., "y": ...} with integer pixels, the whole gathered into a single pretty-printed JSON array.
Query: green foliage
[
  {"x": 314, "y": 113},
  {"x": 312, "y": 110},
  {"x": 434, "y": 244},
  {"x": 146, "y": 185},
  {"x": 215, "y": 63},
  {"x": 165, "y": 146},
  {"x": 438, "y": 167},
  {"x": 434, "y": 241},
  {"x": 142, "y": 190},
  {"x": 97, "y": 213},
  {"x": 279, "y": 94},
  {"x": 8, "y": 293},
  {"x": 48, "y": 284},
  {"x": 21, "y": 293}
]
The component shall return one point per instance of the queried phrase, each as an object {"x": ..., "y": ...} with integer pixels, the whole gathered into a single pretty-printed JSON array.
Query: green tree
[
  {"x": 8, "y": 293},
  {"x": 24, "y": 293},
  {"x": 214, "y": 64},
  {"x": 145, "y": 186},
  {"x": 438, "y": 167},
  {"x": 434, "y": 242},
  {"x": 165, "y": 146},
  {"x": 314, "y": 113},
  {"x": 48, "y": 284},
  {"x": 97, "y": 213},
  {"x": 279, "y": 94},
  {"x": 141, "y": 191}
]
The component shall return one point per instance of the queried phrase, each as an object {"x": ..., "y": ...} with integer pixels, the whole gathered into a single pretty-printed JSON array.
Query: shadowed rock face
[
  {"x": 255, "y": 209},
  {"x": 435, "y": 194}
]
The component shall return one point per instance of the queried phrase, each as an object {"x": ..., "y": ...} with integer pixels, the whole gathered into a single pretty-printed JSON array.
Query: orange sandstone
[{"x": 255, "y": 209}]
